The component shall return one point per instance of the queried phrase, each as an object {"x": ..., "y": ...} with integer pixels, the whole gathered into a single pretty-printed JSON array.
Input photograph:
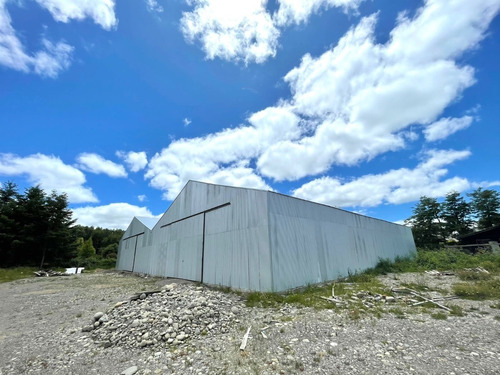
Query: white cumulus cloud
[
  {"x": 112, "y": 216},
  {"x": 361, "y": 96},
  {"x": 95, "y": 163},
  {"x": 445, "y": 127},
  {"x": 298, "y": 11},
  {"x": 50, "y": 173},
  {"x": 245, "y": 30},
  {"x": 357, "y": 100},
  {"x": 135, "y": 161},
  {"x": 395, "y": 186},
  {"x": 213, "y": 158},
  {"x": 232, "y": 30}
]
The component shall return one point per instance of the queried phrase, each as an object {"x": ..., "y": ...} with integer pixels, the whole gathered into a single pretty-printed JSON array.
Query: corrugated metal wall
[
  {"x": 129, "y": 244},
  {"x": 257, "y": 240},
  {"x": 313, "y": 243},
  {"x": 226, "y": 227}
]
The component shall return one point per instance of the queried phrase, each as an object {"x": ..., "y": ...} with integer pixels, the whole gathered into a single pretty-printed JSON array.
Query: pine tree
[
  {"x": 486, "y": 206},
  {"x": 455, "y": 213},
  {"x": 426, "y": 224}
]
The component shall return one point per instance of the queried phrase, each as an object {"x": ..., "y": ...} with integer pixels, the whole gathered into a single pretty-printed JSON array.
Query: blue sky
[{"x": 361, "y": 104}]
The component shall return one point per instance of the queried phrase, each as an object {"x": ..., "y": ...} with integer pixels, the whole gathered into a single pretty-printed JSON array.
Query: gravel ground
[{"x": 190, "y": 329}]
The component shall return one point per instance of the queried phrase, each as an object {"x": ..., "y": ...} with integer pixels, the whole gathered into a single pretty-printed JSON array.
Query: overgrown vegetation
[
  {"x": 480, "y": 285},
  {"x": 480, "y": 290}
]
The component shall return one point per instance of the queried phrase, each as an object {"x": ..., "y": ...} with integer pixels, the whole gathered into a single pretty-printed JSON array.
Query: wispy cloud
[
  {"x": 53, "y": 57},
  {"x": 154, "y": 6},
  {"x": 444, "y": 127},
  {"x": 186, "y": 121}
]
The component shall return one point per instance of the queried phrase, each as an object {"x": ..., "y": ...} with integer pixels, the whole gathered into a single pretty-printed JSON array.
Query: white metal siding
[
  {"x": 257, "y": 240},
  {"x": 313, "y": 243}
]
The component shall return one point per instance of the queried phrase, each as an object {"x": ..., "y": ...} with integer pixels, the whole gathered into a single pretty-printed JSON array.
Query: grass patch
[
  {"x": 11, "y": 274},
  {"x": 398, "y": 312},
  {"x": 439, "y": 316},
  {"x": 442, "y": 260},
  {"x": 485, "y": 287},
  {"x": 473, "y": 276},
  {"x": 456, "y": 311},
  {"x": 480, "y": 290},
  {"x": 310, "y": 296}
]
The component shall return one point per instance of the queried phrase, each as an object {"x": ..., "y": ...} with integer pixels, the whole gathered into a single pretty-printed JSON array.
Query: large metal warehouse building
[{"x": 257, "y": 240}]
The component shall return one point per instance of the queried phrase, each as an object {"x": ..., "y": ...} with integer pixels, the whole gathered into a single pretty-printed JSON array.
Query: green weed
[
  {"x": 439, "y": 316},
  {"x": 480, "y": 290},
  {"x": 473, "y": 276},
  {"x": 456, "y": 310},
  {"x": 11, "y": 274}
]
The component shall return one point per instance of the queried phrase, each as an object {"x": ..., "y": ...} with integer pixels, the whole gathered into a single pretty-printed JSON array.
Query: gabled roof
[{"x": 149, "y": 222}]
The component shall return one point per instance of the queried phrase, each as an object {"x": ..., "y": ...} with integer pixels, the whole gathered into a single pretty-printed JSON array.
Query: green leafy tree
[
  {"x": 486, "y": 206},
  {"x": 455, "y": 213},
  {"x": 87, "y": 250},
  {"x": 426, "y": 224}
]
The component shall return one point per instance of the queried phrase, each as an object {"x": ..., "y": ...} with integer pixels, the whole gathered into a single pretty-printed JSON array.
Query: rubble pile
[{"x": 164, "y": 318}]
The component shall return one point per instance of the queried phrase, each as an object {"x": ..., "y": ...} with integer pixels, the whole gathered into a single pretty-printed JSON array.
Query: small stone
[
  {"x": 135, "y": 323},
  {"x": 305, "y": 340},
  {"x": 88, "y": 328},
  {"x": 96, "y": 324},
  {"x": 98, "y": 315},
  {"x": 130, "y": 371},
  {"x": 390, "y": 299},
  {"x": 142, "y": 296}
]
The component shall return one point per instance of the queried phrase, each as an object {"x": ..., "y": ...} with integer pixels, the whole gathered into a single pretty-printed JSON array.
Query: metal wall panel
[
  {"x": 183, "y": 242},
  {"x": 237, "y": 241},
  {"x": 126, "y": 247},
  {"x": 257, "y": 240},
  {"x": 313, "y": 243},
  {"x": 126, "y": 254}
]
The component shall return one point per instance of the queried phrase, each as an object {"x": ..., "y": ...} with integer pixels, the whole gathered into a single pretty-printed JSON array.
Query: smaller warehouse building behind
[{"x": 257, "y": 240}]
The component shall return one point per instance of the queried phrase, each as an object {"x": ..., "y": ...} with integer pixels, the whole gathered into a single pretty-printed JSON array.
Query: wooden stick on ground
[
  {"x": 411, "y": 291},
  {"x": 435, "y": 299}
]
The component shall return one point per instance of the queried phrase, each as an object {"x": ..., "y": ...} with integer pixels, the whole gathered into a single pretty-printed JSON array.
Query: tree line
[
  {"x": 37, "y": 229},
  {"x": 434, "y": 223}
]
